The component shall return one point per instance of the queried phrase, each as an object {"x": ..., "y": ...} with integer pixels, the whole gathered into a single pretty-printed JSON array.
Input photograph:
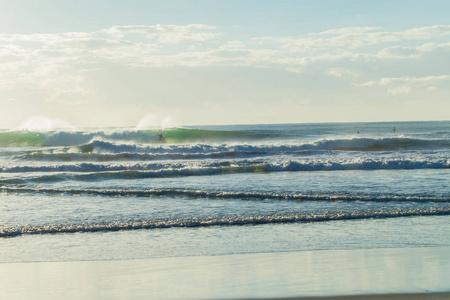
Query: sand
[
  {"x": 405, "y": 273},
  {"x": 417, "y": 296}
]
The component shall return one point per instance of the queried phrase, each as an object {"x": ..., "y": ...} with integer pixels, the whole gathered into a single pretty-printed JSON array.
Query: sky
[{"x": 116, "y": 63}]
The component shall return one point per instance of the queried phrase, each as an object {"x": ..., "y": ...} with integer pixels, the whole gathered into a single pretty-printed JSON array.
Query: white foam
[{"x": 223, "y": 221}]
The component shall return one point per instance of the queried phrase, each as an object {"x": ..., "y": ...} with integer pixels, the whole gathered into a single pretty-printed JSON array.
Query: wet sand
[
  {"x": 398, "y": 273},
  {"x": 417, "y": 296}
]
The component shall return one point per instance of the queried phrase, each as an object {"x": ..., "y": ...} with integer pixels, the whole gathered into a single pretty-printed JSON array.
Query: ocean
[{"x": 122, "y": 193}]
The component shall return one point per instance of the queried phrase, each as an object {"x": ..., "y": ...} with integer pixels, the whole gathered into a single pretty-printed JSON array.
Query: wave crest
[
  {"x": 105, "y": 171},
  {"x": 115, "y": 141},
  {"x": 224, "y": 221},
  {"x": 223, "y": 194}
]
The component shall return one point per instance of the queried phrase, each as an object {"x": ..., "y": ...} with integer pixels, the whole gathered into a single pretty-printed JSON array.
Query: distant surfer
[
  {"x": 357, "y": 131},
  {"x": 161, "y": 137},
  {"x": 393, "y": 129}
]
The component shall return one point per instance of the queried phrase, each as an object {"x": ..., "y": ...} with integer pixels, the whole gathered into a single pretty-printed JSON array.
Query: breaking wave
[
  {"x": 217, "y": 194},
  {"x": 107, "y": 171},
  {"x": 134, "y": 141},
  {"x": 224, "y": 221},
  {"x": 26, "y": 138},
  {"x": 351, "y": 144}
]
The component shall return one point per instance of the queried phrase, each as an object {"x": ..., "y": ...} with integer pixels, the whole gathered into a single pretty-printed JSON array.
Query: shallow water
[
  {"x": 223, "y": 190},
  {"x": 256, "y": 276}
]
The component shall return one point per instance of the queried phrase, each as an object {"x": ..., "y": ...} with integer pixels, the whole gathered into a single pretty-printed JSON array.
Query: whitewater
[{"x": 123, "y": 193}]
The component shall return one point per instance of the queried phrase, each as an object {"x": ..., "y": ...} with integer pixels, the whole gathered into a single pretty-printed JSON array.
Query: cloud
[
  {"x": 401, "y": 90},
  {"x": 180, "y": 45},
  {"x": 399, "y": 52},
  {"x": 356, "y": 37},
  {"x": 167, "y": 34},
  {"x": 293, "y": 70},
  {"x": 417, "y": 81},
  {"x": 56, "y": 64},
  {"x": 341, "y": 73},
  {"x": 426, "y": 32},
  {"x": 404, "y": 85},
  {"x": 347, "y": 30}
]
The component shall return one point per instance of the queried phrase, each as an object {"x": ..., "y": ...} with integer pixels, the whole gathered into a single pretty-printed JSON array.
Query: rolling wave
[
  {"x": 104, "y": 171},
  {"x": 20, "y": 139},
  {"x": 72, "y": 138},
  {"x": 147, "y": 141},
  {"x": 223, "y": 221},
  {"x": 350, "y": 144},
  {"x": 383, "y": 144},
  {"x": 214, "y": 194}
]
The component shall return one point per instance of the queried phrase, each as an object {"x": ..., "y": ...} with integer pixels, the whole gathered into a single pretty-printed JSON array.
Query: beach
[
  {"x": 397, "y": 273},
  {"x": 224, "y": 150}
]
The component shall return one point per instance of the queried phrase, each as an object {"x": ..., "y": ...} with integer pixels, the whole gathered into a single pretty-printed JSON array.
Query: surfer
[
  {"x": 393, "y": 129},
  {"x": 161, "y": 137}
]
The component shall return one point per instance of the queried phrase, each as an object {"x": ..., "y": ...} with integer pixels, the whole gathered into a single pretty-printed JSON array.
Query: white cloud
[
  {"x": 347, "y": 30},
  {"x": 409, "y": 80},
  {"x": 426, "y": 32},
  {"x": 119, "y": 44},
  {"x": 399, "y": 52},
  {"x": 404, "y": 85},
  {"x": 356, "y": 37},
  {"x": 341, "y": 73},
  {"x": 167, "y": 34},
  {"x": 293, "y": 70},
  {"x": 401, "y": 90},
  {"x": 416, "y": 80},
  {"x": 55, "y": 65}
]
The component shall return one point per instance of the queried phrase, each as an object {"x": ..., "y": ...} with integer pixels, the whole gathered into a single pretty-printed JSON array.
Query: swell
[
  {"x": 351, "y": 144},
  {"x": 97, "y": 172},
  {"x": 144, "y": 141},
  {"x": 208, "y": 222},
  {"x": 217, "y": 194},
  {"x": 20, "y": 139},
  {"x": 26, "y": 138},
  {"x": 383, "y": 144}
]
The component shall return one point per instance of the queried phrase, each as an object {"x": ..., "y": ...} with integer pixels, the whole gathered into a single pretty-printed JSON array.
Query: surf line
[
  {"x": 209, "y": 222},
  {"x": 216, "y": 194}
]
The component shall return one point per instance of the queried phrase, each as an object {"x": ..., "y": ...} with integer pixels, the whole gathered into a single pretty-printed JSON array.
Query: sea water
[{"x": 123, "y": 193}]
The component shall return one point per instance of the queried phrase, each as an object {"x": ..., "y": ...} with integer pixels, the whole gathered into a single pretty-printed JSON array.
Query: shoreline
[
  {"x": 388, "y": 273},
  {"x": 405, "y": 296}
]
